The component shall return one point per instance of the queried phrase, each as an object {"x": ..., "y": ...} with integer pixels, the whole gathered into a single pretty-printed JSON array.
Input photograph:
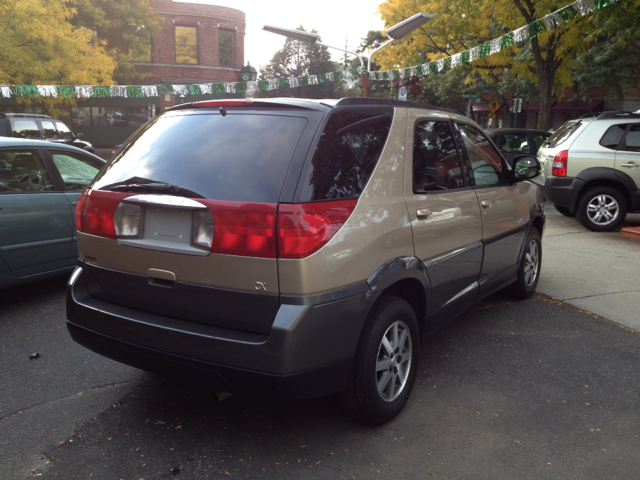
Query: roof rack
[
  {"x": 618, "y": 115},
  {"x": 22, "y": 115}
]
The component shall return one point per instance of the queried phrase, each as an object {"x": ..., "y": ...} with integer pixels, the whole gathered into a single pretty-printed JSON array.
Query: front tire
[
  {"x": 602, "y": 209},
  {"x": 529, "y": 268},
  {"x": 386, "y": 363}
]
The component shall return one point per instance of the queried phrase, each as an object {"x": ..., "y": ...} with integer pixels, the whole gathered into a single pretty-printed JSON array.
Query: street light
[{"x": 396, "y": 32}]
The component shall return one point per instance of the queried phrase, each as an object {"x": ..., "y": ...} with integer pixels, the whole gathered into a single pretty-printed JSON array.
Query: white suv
[{"x": 591, "y": 169}]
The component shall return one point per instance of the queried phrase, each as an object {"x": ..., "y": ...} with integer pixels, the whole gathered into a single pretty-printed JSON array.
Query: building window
[
  {"x": 187, "y": 45},
  {"x": 141, "y": 49},
  {"x": 227, "y": 48}
]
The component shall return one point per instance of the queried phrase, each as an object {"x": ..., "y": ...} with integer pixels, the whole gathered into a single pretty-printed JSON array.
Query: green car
[{"x": 40, "y": 183}]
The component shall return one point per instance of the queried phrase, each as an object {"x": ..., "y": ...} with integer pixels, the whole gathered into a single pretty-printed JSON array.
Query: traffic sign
[
  {"x": 470, "y": 95},
  {"x": 494, "y": 106},
  {"x": 402, "y": 94}
]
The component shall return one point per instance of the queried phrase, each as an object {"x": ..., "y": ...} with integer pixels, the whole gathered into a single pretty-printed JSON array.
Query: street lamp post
[{"x": 396, "y": 32}]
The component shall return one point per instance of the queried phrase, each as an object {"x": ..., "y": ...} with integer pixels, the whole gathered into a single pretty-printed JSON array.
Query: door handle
[
  {"x": 423, "y": 213},
  {"x": 630, "y": 165},
  {"x": 486, "y": 203},
  {"x": 74, "y": 203}
]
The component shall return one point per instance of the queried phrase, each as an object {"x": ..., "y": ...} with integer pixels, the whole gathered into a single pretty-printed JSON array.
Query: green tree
[
  {"x": 126, "y": 26},
  {"x": 462, "y": 24},
  {"x": 39, "y": 46},
  {"x": 297, "y": 59}
]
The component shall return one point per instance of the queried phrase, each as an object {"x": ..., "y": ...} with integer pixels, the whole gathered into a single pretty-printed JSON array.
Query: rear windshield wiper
[{"x": 166, "y": 188}]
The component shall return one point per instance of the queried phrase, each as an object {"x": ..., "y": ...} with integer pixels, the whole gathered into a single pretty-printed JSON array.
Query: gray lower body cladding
[{"x": 307, "y": 352}]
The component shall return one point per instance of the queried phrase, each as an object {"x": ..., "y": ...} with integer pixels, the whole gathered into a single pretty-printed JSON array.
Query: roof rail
[
  {"x": 619, "y": 115},
  {"x": 22, "y": 115},
  {"x": 348, "y": 101}
]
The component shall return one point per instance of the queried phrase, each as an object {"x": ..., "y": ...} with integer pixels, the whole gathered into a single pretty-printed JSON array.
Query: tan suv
[{"x": 293, "y": 248}]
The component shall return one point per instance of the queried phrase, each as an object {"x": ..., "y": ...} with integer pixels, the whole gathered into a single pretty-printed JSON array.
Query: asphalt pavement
[{"x": 545, "y": 388}]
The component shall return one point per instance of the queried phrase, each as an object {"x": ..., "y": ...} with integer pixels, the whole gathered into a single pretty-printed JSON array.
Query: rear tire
[
  {"x": 385, "y": 364},
  {"x": 564, "y": 210},
  {"x": 602, "y": 209},
  {"x": 529, "y": 268}
]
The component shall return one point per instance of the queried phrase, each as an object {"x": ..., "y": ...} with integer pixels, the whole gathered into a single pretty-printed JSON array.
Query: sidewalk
[{"x": 596, "y": 272}]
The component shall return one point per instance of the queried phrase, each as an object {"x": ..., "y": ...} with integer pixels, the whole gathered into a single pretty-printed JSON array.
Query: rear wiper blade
[
  {"x": 146, "y": 187},
  {"x": 157, "y": 187}
]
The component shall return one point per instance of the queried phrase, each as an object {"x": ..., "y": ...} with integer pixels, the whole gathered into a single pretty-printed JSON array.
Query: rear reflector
[
  {"x": 304, "y": 228},
  {"x": 559, "y": 166}
]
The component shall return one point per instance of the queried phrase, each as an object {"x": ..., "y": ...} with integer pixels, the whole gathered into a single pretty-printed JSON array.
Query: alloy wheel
[
  {"x": 603, "y": 209},
  {"x": 393, "y": 361},
  {"x": 531, "y": 261}
]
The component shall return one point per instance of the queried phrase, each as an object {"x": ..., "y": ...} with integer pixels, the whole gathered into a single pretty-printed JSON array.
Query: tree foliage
[
  {"x": 297, "y": 59},
  {"x": 549, "y": 63},
  {"x": 126, "y": 26}
]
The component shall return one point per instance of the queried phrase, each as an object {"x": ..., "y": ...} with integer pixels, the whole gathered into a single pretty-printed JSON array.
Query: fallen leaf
[
  {"x": 317, "y": 463},
  {"x": 178, "y": 427},
  {"x": 516, "y": 441},
  {"x": 61, "y": 442},
  {"x": 36, "y": 354}
]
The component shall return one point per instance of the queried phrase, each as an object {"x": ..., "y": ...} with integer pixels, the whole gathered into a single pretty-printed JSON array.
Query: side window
[
  {"x": 23, "y": 171},
  {"x": 25, "y": 128},
  {"x": 483, "y": 162},
  {"x": 64, "y": 131},
  {"x": 436, "y": 165},
  {"x": 49, "y": 129},
  {"x": 613, "y": 135},
  {"x": 514, "y": 143},
  {"x": 346, "y": 154},
  {"x": 226, "y": 48},
  {"x": 77, "y": 170},
  {"x": 539, "y": 139},
  {"x": 186, "y": 44},
  {"x": 632, "y": 140}
]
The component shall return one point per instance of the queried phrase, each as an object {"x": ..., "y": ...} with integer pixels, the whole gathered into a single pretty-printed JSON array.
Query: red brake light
[
  {"x": 95, "y": 210},
  {"x": 222, "y": 103},
  {"x": 304, "y": 228},
  {"x": 241, "y": 228},
  {"x": 560, "y": 164}
]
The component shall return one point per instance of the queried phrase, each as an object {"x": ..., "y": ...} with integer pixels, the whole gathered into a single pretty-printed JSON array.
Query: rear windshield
[
  {"x": 237, "y": 157},
  {"x": 563, "y": 133},
  {"x": 346, "y": 154}
]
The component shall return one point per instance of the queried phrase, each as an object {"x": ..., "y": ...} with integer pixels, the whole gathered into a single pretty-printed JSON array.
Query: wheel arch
[{"x": 607, "y": 177}]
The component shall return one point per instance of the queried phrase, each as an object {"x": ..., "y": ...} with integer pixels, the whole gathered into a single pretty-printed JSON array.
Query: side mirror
[
  {"x": 525, "y": 167},
  {"x": 79, "y": 136}
]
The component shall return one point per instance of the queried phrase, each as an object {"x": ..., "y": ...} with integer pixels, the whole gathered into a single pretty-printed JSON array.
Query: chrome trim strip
[
  {"x": 449, "y": 255},
  {"x": 165, "y": 201},
  {"x": 470, "y": 288}
]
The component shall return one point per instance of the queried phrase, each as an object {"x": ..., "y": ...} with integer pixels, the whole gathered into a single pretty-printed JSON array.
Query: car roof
[{"x": 27, "y": 142}]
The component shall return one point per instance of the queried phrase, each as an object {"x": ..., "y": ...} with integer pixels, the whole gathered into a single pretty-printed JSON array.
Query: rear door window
[
  {"x": 632, "y": 140},
  {"x": 346, "y": 153},
  {"x": 23, "y": 171},
  {"x": 25, "y": 128},
  {"x": 237, "y": 157},
  {"x": 49, "y": 129},
  {"x": 436, "y": 165}
]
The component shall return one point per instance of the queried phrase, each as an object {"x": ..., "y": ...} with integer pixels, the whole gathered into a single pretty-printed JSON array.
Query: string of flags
[{"x": 557, "y": 19}]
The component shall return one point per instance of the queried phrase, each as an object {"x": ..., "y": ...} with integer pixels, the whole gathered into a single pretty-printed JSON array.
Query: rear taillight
[
  {"x": 560, "y": 164},
  {"x": 304, "y": 228},
  {"x": 96, "y": 210},
  {"x": 241, "y": 228}
]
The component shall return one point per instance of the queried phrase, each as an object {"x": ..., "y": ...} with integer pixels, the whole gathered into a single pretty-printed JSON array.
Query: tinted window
[
  {"x": 483, "y": 161},
  {"x": 64, "y": 131},
  {"x": 563, "y": 133},
  {"x": 77, "y": 170},
  {"x": 514, "y": 143},
  {"x": 632, "y": 140},
  {"x": 613, "y": 135},
  {"x": 23, "y": 171},
  {"x": 436, "y": 165},
  {"x": 25, "y": 128},
  {"x": 237, "y": 157},
  {"x": 346, "y": 154},
  {"x": 49, "y": 129}
]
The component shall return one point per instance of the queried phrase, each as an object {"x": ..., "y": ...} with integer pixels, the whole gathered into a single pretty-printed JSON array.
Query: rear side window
[
  {"x": 346, "y": 154},
  {"x": 632, "y": 140},
  {"x": 237, "y": 157},
  {"x": 25, "y": 128},
  {"x": 563, "y": 133},
  {"x": 613, "y": 135}
]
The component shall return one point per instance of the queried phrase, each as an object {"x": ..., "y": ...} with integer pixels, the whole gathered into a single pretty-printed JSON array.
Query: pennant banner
[{"x": 557, "y": 19}]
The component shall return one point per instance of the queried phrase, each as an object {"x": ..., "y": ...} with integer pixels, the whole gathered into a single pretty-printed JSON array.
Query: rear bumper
[
  {"x": 563, "y": 191},
  {"x": 307, "y": 353}
]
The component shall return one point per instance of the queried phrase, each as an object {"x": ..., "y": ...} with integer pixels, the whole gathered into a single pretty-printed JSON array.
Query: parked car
[
  {"x": 518, "y": 141},
  {"x": 36, "y": 126},
  {"x": 293, "y": 248},
  {"x": 40, "y": 183},
  {"x": 591, "y": 168}
]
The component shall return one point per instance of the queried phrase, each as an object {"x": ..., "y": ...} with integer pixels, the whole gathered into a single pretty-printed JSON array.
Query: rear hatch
[
  {"x": 560, "y": 141},
  {"x": 182, "y": 222}
]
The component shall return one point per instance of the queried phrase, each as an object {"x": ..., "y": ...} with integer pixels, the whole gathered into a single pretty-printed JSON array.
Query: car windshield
[{"x": 563, "y": 133}]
